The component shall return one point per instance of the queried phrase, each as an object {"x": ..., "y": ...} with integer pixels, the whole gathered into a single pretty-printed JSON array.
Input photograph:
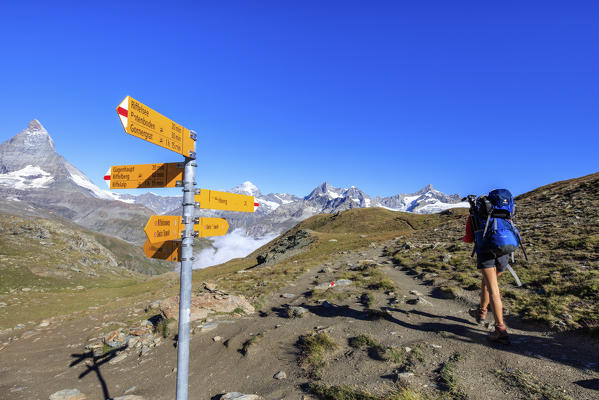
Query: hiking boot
[
  {"x": 479, "y": 314},
  {"x": 500, "y": 335}
]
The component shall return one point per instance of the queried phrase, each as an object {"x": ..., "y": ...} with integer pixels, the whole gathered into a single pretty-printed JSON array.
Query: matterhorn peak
[
  {"x": 35, "y": 125},
  {"x": 35, "y": 136}
]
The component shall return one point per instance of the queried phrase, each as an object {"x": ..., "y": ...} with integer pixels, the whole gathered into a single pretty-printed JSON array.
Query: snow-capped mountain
[
  {"x": 329, "y": 199},
  {"x": 155, "y": 202},
  {"x": 33, "y": 173},
  {"x": 425, "y": 201},
  {"x": 268, "y": 202},
  {"x": 248, "y": 188}
]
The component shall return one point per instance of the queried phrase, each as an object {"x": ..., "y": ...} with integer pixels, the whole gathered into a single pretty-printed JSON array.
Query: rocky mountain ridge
[{"x": 33, "y": 176}]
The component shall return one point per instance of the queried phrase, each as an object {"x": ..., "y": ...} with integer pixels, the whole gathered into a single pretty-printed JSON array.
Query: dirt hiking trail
[{"x": 411, "y": 338}]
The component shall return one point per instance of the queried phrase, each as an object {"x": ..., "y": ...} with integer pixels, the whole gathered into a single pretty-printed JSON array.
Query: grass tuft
[
  {"x": 448, "y": 380},
  {"x": 162, "y": 327},
  {"x": 529, "y": 385},
  {"x": 344, "y": 392},
  {"x": 313, "y": 352},
  {"x": 247, "y": 345},
  {"x": 361, "y": 341}
]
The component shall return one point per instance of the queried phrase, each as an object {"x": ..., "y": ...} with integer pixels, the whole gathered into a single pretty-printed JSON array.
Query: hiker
[{"x": 490, "y": 227}]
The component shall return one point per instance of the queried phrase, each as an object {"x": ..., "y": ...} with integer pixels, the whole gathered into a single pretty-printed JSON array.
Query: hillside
[
  {"x": 42, "y": 258},
  {"x": 560, "y": 230}
]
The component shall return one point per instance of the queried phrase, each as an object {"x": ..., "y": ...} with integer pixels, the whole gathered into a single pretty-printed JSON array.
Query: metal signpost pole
[{"x": 186, "y": 266}]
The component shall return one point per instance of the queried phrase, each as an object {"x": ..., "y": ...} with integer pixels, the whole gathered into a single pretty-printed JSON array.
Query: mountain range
[{"x": 35, "y": 180}]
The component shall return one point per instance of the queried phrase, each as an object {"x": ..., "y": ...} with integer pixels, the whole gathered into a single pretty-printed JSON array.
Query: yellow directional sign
[
  {"x": 169, "y": 250},
  {"x": 161, "y": 228},
  {"x": 145, "y": 175},
  {"x": 141, "y": 121},
  {"x": 211, "y": 227},
  {"x": 211, "y": 199}
]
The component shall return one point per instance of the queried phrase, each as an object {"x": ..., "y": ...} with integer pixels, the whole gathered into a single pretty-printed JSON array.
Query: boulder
[
  {"x": 68, "y": 394},
  {"x": 203, "y": 304},
  {"x": 239, "y": 396}
]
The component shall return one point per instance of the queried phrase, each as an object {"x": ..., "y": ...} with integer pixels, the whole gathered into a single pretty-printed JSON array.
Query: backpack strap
[
  {"x": 522, "y": 246},
  {"x": 487, "y": 225}
]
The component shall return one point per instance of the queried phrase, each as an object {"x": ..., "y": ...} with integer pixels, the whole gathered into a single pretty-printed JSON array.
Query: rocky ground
[{"x": 383, "y": 331}]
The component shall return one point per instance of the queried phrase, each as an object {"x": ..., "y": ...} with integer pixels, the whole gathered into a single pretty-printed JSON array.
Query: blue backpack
[{"x": 494, "y": 232}]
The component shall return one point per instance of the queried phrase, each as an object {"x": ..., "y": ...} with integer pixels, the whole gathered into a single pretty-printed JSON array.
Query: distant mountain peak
[
  {"x": 248, "y": 188},
  {"x": 426, "y": 189}
]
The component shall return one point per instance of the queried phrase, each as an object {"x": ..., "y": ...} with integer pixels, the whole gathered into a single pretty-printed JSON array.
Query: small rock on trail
[
  {"x": 68, "y": 394},
  {"x": 240, "y": 396},
  {"x": 280, "y": 375}
]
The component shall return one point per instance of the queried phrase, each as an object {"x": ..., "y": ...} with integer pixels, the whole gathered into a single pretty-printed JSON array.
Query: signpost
[
  {"x": 164, "y": 231},
  {"x": 141, "y": 121},
  {"x": 214, "y": 200},
  {"x": 142, "y": 176}
]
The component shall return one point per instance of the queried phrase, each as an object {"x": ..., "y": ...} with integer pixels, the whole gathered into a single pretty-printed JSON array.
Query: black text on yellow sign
[
  {"x": 139, "y": 176},
  {"x": 215, "y": 200},
  {"x": 141, "y": 121},
  {"x": 161, "y": 228}
]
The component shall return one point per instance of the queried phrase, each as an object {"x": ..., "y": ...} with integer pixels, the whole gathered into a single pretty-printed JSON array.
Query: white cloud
[{"x": 233, "y": 245}]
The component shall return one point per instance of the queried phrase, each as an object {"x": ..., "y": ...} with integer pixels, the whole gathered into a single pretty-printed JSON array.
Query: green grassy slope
[{"x": 560, "y": 228}]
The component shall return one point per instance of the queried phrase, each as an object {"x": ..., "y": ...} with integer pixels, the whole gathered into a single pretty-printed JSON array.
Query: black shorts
[{"x": 501, "y": 263}]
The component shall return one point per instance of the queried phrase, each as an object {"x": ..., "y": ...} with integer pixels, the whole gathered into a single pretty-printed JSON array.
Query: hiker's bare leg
[
  {"x": 490, "y": 277},
  {"x": 484, "y": 294}
]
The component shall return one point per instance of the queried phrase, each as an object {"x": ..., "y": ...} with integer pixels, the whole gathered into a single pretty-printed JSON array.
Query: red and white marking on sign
[
  {"x": 107, "y": 177},
  {"x": 123, "y": 111}
]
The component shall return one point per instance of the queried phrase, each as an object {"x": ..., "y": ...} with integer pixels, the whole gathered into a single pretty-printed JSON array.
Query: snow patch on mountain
[
  {"x": 283, "y": 201},
  {"x": 30, "y": 177},
  {"x": 80, "y": 179},
  {"x": 438, "y": 207}
]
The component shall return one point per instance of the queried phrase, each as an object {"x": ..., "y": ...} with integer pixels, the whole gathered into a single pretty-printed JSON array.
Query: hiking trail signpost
[{"x": 170, "y": 237}]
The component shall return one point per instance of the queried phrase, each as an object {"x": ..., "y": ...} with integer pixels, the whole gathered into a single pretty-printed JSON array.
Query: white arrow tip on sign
[
  {"x": 107, "y": 178},
  {"x": 123, "y": 111}
]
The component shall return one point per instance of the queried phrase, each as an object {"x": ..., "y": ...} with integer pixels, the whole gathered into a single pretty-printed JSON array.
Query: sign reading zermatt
[{"x": 170, "y": 237}]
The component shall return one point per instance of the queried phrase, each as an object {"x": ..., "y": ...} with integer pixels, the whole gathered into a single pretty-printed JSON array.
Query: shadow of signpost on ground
[{"x": 97, "y": 361}]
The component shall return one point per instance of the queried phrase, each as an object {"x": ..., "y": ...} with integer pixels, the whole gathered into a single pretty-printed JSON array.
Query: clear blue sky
[{"x": 386, "y": 96}]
